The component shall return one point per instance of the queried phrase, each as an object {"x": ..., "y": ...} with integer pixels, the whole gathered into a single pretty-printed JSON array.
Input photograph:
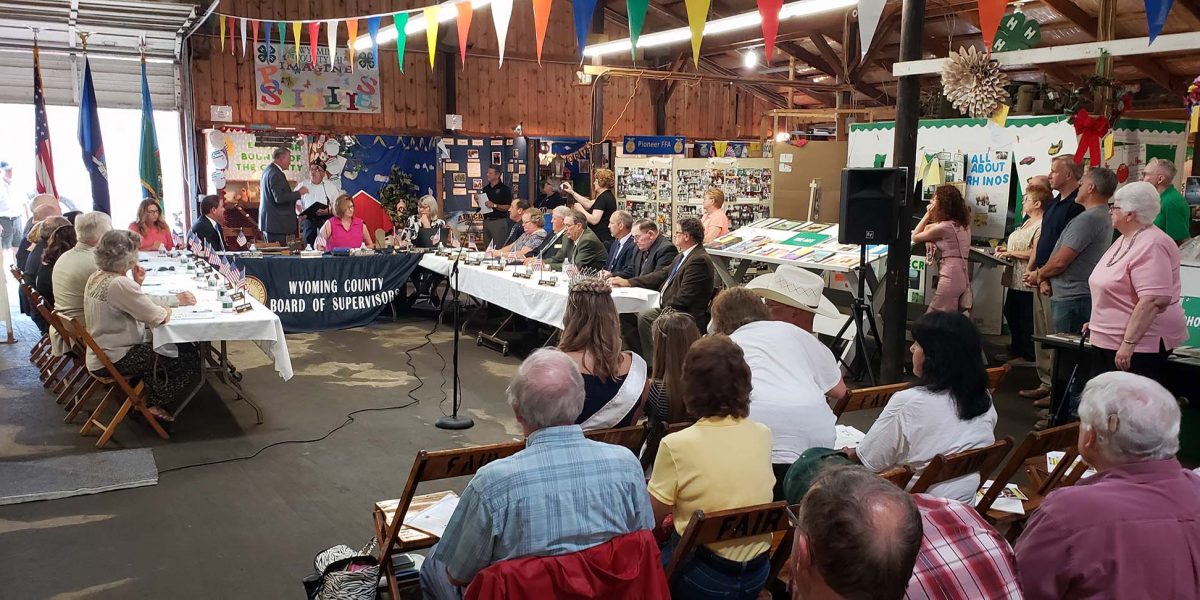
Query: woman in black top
[
  {"x": 61, "y": 240},
  {"x": 40, "y": 233},
  {"x": 600, "y": 209},
  {"x": 425, "y": 229}
]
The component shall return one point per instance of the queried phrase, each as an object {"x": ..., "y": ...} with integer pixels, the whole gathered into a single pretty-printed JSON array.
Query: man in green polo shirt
[{"x": 1174, "y": 215}]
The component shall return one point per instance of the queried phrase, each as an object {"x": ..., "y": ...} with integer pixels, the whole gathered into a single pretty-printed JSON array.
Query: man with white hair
[
  {"x": 563, "y": 493},
  {"x": 1133, "y": 530},
  {"x": 73, "y": 268},
  {"x": 1175, "y": 215}
]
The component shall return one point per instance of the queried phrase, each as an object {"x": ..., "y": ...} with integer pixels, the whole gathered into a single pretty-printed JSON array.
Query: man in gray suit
[
  {"x": 277, "y": 209},
  {"x": 653, "y": 252},
  {"x": 587, "y": 251}
]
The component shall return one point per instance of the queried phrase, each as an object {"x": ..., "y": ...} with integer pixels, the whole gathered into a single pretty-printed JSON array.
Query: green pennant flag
[
  {"x": 149, "y": 166},
  {"x": 282, "y": 28},
  {"x": 400, "y": 21},
  {"x": 636, "y": 9}
]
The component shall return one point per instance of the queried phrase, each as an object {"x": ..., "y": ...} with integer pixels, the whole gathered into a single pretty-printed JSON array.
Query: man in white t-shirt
[{"x": 320, "y": 188}]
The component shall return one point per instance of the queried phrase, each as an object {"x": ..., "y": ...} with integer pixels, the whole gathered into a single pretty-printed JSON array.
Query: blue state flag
[{"x": 91, "y": 142}]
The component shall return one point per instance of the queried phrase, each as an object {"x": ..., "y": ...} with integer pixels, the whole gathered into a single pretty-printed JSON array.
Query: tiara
[{"x": 589, "y": 281}]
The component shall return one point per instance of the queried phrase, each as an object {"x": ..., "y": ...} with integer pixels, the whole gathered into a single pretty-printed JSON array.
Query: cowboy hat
[{"x": 795, "y": 287}]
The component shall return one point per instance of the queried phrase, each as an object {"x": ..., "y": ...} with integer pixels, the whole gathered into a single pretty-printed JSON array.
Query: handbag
[{"x": 344, "y": 574}]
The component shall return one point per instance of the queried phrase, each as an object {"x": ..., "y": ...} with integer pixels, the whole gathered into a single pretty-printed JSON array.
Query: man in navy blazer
[
  {"x": 208, "y": 226},
  {"x": 277, "y": 211},
  {"x": 624, "y": 247}
]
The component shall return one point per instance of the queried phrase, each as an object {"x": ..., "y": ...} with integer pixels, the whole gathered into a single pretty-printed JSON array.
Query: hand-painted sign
[{"x": 284, "y": 83}]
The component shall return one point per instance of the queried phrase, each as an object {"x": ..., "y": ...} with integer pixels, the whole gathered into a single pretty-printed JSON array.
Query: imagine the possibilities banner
[{"x": 283, "y": 82}]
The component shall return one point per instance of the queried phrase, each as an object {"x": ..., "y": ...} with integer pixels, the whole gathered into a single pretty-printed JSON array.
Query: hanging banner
[
  {"x": 582, "y": 11},
  {"x": 769, "y": 11},
  {"x": 373, "y": 32},
  {"x": 729, "y": 149},
  {"x": 464, "y": 27},
  {"x": 541, "y": 18},
  {"x": 400, "y": 21},
  {"x": 501, "y": 14},
  {"x": 990, "y": 12},
  {"x": 431, "y": 33},
  {"x": 636, "y": 9},
  {"x": 246, "y": 161},
  {"x": 282, "y": 83},
  {"x": 869, "y": 12},
  {"x": 1156, "y": 16},
  {"x": 295, "y": 39},
  {"x": 221, "y": 20},
  {"x": 242, "y": 26},
  {"x": 697, "y": 15},
  {"x": 654, "y": 144}
]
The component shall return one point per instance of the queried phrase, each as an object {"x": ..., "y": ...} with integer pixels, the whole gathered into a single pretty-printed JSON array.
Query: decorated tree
[{"x": 399, "y": 197}]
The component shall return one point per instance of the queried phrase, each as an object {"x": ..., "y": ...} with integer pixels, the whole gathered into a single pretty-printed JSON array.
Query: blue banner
[
  {"x": 327, "y": 293},
  {"x": 369, "y": 163},
  {"x": 91, "y": 143},
  {"x": 654, "y": 144}
]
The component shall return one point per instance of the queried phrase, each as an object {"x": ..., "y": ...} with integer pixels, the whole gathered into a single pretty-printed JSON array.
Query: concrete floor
[{"x": 250, "y": 529}]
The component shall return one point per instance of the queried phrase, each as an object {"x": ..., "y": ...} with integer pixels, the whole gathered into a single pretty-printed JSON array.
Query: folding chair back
[
  {"x": 996, "y": 376},
  {"x": 632, "y": 437},
  {"x": 900, "y": 475},
  {"x": 867, "y": 398},
  {"x": 1037, "y": 443},
  {"x": 657, "y": 431},
  {"x": 729, "y": 525},
  {"x": 16, "y": 272},
  {"x": 945, "y": 467}
]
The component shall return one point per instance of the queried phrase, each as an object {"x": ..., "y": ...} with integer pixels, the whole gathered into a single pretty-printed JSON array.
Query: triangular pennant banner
[
  {"x": 1156, "y": 16},
  {"x": 541, "y": 18},
  {"x": 769, "y": 11},
  {"x": 282, "y": 28},
  {"x": 351, "y": 36},
  {"x": 583, "y": 10},
  {"x": 431, "y": 32},
  {"x": 296, "y": 38},
  {"x": 869, "y": 12},
  {"x": 221, "y": 20},
  {"x": 990, "y": 12},
  {"x": 400, "y": 22},
  {"x": 373, "y": 31},
  {"x": 501, "y": 14},
  {"x": 314, "y": 30},
  {"x": 331, "y": 27},
  {"x": 464, "y": 26},
  {"x": 254, "y": 38},
  {"x": 231, "y": 34},
  {"x": 697, "y": 14},
  {"x": 242, "y": 26},
  {"x": 636, "y": 9}
]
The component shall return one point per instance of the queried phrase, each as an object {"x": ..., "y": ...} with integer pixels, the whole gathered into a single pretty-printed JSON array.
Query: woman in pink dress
[
  {"x": 946, "y": 231},
  {"x": 716, "y": 224},
  {"x": 152, "y": 226},
  {"x": 344, "y": 230}
]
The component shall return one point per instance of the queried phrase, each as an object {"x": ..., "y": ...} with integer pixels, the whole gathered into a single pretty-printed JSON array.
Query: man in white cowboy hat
[{"x": 794, "y": 296}]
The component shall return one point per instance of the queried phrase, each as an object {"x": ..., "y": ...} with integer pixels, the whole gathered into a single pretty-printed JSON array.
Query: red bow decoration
[{"x": 1090, "y": 130}]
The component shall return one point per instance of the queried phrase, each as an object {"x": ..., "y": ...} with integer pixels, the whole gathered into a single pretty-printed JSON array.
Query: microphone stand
[{"x": 454, "y": 421}]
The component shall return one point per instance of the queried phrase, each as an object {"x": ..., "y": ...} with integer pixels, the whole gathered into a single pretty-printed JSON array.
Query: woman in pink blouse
[
  {"x": 946, "y": 230},
  {"x": 716, "y": 224},
  {"x": 152, "y": 226},
  {"x": 1137, "y": 319},
  {"x": 344, "y": 230}
]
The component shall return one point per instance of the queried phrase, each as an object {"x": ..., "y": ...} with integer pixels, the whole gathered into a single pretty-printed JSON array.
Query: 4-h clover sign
[{"x": 1017, "y": 32}]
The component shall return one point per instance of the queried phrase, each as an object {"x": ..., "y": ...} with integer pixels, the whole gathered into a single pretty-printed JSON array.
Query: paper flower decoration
[{"x": 973, "y": 83}]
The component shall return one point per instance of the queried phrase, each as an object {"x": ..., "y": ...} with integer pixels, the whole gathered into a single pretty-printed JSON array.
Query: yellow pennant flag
[
  {"x": 720, "y": 147},
  {"x": 1195, "y": 119},
  {"x": 296, "y": 38},
  {"x": 697, "y": 14},
  {"x": 221, "y": 19},
  {"x": 1000, "y": 117},
  {"x": 431, "y": 32},
  {"x": 1108, "y": 146}
]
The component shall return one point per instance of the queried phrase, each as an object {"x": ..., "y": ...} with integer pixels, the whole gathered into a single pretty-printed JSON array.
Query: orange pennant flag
[
  {"x": 464, "y": 25},
  {"x": 352, "y": 28},
  {"x": 541, "y": 18},
  {"x": 254, "y": 36}
]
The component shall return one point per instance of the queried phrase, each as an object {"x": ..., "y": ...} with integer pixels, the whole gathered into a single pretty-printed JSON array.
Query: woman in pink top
[
  {"x": 1137, "y": 319},
  {"x": 152, "y": 226},
  {"x": 344, "y": 230},
  {"x": 946, "y": 231},
  {"x": 715, "y": 223}
]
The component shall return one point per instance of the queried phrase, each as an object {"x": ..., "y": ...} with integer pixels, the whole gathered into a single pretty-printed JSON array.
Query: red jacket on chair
[{"x": 629, "y": 566}]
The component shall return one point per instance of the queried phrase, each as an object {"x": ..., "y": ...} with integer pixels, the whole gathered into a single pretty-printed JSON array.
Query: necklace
[{"x": 1119, "y": 255}]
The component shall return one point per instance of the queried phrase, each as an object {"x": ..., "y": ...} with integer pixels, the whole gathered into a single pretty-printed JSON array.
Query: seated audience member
[
  {"x": 41, "y": 212},
  {"x": 962, "y": 557},
  {"x": 62, "y": 240},
  {"x": 563, "y": 493},
  {"x": 947, "y": 410},
  {"x": 74, "y": 267},
  {"x": 557, "y": 244},
  {"x": 1133, "y": 529},
  {"x": 795, "y": 295},
  {"x": 39, "y": 235},
  {"x": 152, "y": 226},
  {"x": 344, "y": 230},
  {"x": 857, "y": 536},
  {"x": 720, "y": 462},
  {"x": 793, "y": 373},
  {"x": 208, "y": 227},
  {"x": 674, "y": 334},
  {"x": 620, "y": 253},
  {"x": 531, "y": 238},
  {"x": 586, "y": 251},
  {"x": 117, "y": 315},
  {"x": 615, "y": 381},
  {"x": 551, "y": 196}
]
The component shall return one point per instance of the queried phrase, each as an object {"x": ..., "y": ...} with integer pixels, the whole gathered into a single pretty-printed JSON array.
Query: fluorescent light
[
  {"x": 416, "y": 24},
  {"x": 747, "y": 20},
  {"x": 749, "y": 59}
]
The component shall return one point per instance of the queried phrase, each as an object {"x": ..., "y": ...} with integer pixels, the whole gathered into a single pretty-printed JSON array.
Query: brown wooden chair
[
  {"x": 657, "y": 431},
  {"x": 1036, "y": 445},
  {"x": 132, "y": 397},
  {"x": 899, "y": 475},
  {"x": 945, "y": 467},
  {"x": 80, "y": 387},
  {"x": 996, "y": 376},
  {"x": 632, "y": 437},
  {"x": 867, "y": 398},
  {"x": 39, "y": 354},
  {"x": 51, "y": 373},
  {"x": 734, "y": 524}
]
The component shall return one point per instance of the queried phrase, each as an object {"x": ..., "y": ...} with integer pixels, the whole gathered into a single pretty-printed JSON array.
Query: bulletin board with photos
[
  {"x": 645, "y": 188},
  {"x": 745, "y": 182},
  {"x": 465, "y": 172}
]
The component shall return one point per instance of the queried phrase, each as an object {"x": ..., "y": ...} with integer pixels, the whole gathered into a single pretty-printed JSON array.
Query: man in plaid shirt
[{"x": 961, "y": 555}]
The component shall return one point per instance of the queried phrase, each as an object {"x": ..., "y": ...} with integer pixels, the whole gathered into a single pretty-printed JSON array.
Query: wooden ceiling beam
[
  {"x": 1090, "y": 25},
  {"x": 831, "y": 58}
]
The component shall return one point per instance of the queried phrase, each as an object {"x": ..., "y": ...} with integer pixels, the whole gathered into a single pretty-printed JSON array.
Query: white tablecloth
[
  {"x": 525, "y": 297},
  {"x": 205, "y": 322}
]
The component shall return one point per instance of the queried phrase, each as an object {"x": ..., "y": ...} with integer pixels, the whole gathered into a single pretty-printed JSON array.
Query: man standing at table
[
  {"x": 499, "y": 199},
  {"x": 208, "y": 226},
  {"x": 323, "y": 190},
  {"x": 1174, "y": 216},
  {"x": 277, "y": 210}
]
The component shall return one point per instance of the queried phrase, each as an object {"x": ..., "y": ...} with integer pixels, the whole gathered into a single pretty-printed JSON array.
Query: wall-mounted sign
[
  {"x": 220, "y": 114},
  {"x": 453, "y": 122},
  {"x": 654, "y": 144},
  {"x": 284, "y": 83}
]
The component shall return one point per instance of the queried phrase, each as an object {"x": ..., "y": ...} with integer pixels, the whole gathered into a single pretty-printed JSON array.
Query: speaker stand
[{"x": 861, "y": 315}]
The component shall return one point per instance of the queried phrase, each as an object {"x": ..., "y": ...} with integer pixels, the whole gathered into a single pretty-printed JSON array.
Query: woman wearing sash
[{"x": 614, "y": 381}]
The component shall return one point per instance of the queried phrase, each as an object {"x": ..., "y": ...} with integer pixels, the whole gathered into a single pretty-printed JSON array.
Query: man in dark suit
[
  {"x": 516, "y": 214},
  {"x": 551, "y": 250},
  {"x": 587, "y": 251},
  {"x": 208, "y": 226},
  {"x": 277, "y": 210},
  {"x": 685, "y": 286},
  {"x": 654, "y": 252},
  {"x": 623, "y": 248}
]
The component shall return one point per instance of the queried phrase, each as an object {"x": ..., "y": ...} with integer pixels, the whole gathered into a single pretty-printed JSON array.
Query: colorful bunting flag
[
  {"x": 501, "y": 14},
  {"x": 231, "y": 29},
  {"x": 221, "y": 20},
  {"x": 296, "y": 38},
  {"x": 1156, "y": 16},
  {"x": 431, "y": 32},
  {"x": 769, "y": 11},
  {"x": 990, "y": 12},
  {"x": 464, "y": 26},
  {"x": 331, "y": 27},
  {"x": 254, "y": 38},
  {"x": 242, "y": 26},
  {"x": 541, "y": 18},
  {"x": 373, "y": 31},
  {"x": 314, "y": 30},
  {"x": 869, "y": 12},
  {"x": 400, "y": 22},
  {"x": 583, "y": 10},
  {"x": 636, "y": 9},
  {"x": 282, "y": 27}
]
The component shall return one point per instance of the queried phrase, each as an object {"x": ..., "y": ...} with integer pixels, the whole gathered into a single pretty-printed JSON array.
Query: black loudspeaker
[{"x": 870, "y": 200}]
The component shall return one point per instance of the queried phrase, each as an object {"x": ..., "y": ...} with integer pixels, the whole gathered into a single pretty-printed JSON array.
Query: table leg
[
  {"x": 204, "y": 349},
  {"x": 214, "y": 361},
  {"x": 723, "y": 271}
]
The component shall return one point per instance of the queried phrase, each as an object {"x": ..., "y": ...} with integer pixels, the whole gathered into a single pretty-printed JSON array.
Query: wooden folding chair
[
  {"x": 657, "y": 431},
  {"x": 39, "y": 354},
  {"x": 945, "y": 467},
  {"x": 52, "y": 374},
  {"x": 632, "y": 437},
  {"x": 867, "y": 398},
  {"x": 1036, "y": 445},
  {"x": 899, "y": 475},
  {"x": 134, "y": 395},
  {"x": 734, "y": 524},
  {"x": 996, "y": 376},
  {"x": 74, "y": 350},
  {"x": 395, "y": 537}
]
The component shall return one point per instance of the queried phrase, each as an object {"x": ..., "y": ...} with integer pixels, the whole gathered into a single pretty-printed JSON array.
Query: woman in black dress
[{"x": 598, "y": 210}]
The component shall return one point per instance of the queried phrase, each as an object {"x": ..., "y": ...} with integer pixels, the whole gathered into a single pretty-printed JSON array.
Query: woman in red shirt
[{"x": 152, "y": 226}]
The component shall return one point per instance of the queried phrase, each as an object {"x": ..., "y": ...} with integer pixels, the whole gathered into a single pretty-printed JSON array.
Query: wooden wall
[{"x": 491, "y": 99}]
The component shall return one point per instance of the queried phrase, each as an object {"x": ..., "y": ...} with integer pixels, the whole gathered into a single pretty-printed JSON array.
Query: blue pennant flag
[
  {"x": 373, "y": 30},
  {"x": 91, "y": 143},
  {"x": 583, "y": 10}
]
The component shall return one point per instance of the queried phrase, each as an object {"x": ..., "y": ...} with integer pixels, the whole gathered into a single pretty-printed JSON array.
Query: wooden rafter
[{"x": 1089, "y": 25}]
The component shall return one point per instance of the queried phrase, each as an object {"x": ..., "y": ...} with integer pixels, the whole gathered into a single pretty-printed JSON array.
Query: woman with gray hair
[
  {"x": 117, "y": 313},
  {"x": 425, "y": 229},
  {"x": 39, "y": 235},
  {"x": 1137, "y": 319}
]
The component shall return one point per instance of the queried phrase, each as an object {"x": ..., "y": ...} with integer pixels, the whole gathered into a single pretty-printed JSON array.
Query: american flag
[{"x": 44, "y": 169}]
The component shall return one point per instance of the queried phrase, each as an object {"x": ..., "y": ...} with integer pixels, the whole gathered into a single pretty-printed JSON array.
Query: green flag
[
  {"x": 636, "y": 9},
  {"x": 149, "y": 166},
  {"x": 400, "y": 21}
]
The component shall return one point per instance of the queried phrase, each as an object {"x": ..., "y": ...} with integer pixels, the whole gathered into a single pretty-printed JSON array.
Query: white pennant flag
[
  {"x": 501, "y": 11},
  {"x": 331, "y": 28},
  {"x": 243, "y": 27},
  {"x": 869, "y": 12}
]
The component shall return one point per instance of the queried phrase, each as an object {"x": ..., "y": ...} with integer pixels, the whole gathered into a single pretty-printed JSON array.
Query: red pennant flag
[
  {"x": 541, "y": 19},
  {"x": 231, "y": 28},
  {"x": 314, "y": 29},
  {"x": 769, "y": 10},
  {"x": 464, "y": 25},
  {"x": 990, "y": 12},
  {"x": 254, "y": 36}
]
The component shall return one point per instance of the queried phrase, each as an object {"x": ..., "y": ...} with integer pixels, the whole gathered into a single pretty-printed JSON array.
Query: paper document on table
[
  {"x": 436, "y": 518},
  {"x": 847, "y": 437},
  {"x": 1055, "y": 456},
  {"x": 1011, "y": 500},
  {"x": 483, "y": 207},
  {"x": 192, "y": 315}
]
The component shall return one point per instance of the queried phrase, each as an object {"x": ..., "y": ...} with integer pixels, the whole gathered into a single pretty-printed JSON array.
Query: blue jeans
[
  {"x": 1068, "y": 316},
  {"x": 707, "y": 575}
]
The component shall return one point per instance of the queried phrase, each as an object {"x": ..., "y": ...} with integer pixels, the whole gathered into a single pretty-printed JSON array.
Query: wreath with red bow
[{"x": 1091, "y": 128}]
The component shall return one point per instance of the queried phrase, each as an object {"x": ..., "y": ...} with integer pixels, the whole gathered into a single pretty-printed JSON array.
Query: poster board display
[
  {"x": 797, "y": 169},
  {"x": 646, "y": 189},
  {"x": 801, "y": 243},
  {"x": 1189, "y": 279},
  {"x": 286, "y": 80}
]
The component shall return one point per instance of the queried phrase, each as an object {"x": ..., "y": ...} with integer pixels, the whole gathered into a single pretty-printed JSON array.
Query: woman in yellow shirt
[{"x": 723, "y": 461}]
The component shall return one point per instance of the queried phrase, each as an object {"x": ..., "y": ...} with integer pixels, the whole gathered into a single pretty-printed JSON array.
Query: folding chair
[
  {"x": 657, "y": 431},
  {"x": 134, "y": 395},
  {"x": 996, "y": 376},
  {"x": 55, "y": 378},
  {"x": 632, "y": 437},
  {"x": 395, "y": 537},
  {"x": 900, "y": 475},
  {"x": 945, "y": 467},
  {"x": 867, "y": 398},
  {"x": 1036, "y": 445},
  {"x": 734, "y": 524},
  {"x": 77, "y": 353},
  {"x": 46, "y": 362},
  {"x": 39, "y": 354}
]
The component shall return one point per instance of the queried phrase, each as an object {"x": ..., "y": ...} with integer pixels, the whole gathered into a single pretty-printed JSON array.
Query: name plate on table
[
  {"x": 495, "y": 267},
  {"x": 474, "y": 262},
  {"x": 522, "y": 275},
  {"x": 238, "y": 296},
  {"x": 241, "y": 308},
  {"x": 549, "y": 281}
]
